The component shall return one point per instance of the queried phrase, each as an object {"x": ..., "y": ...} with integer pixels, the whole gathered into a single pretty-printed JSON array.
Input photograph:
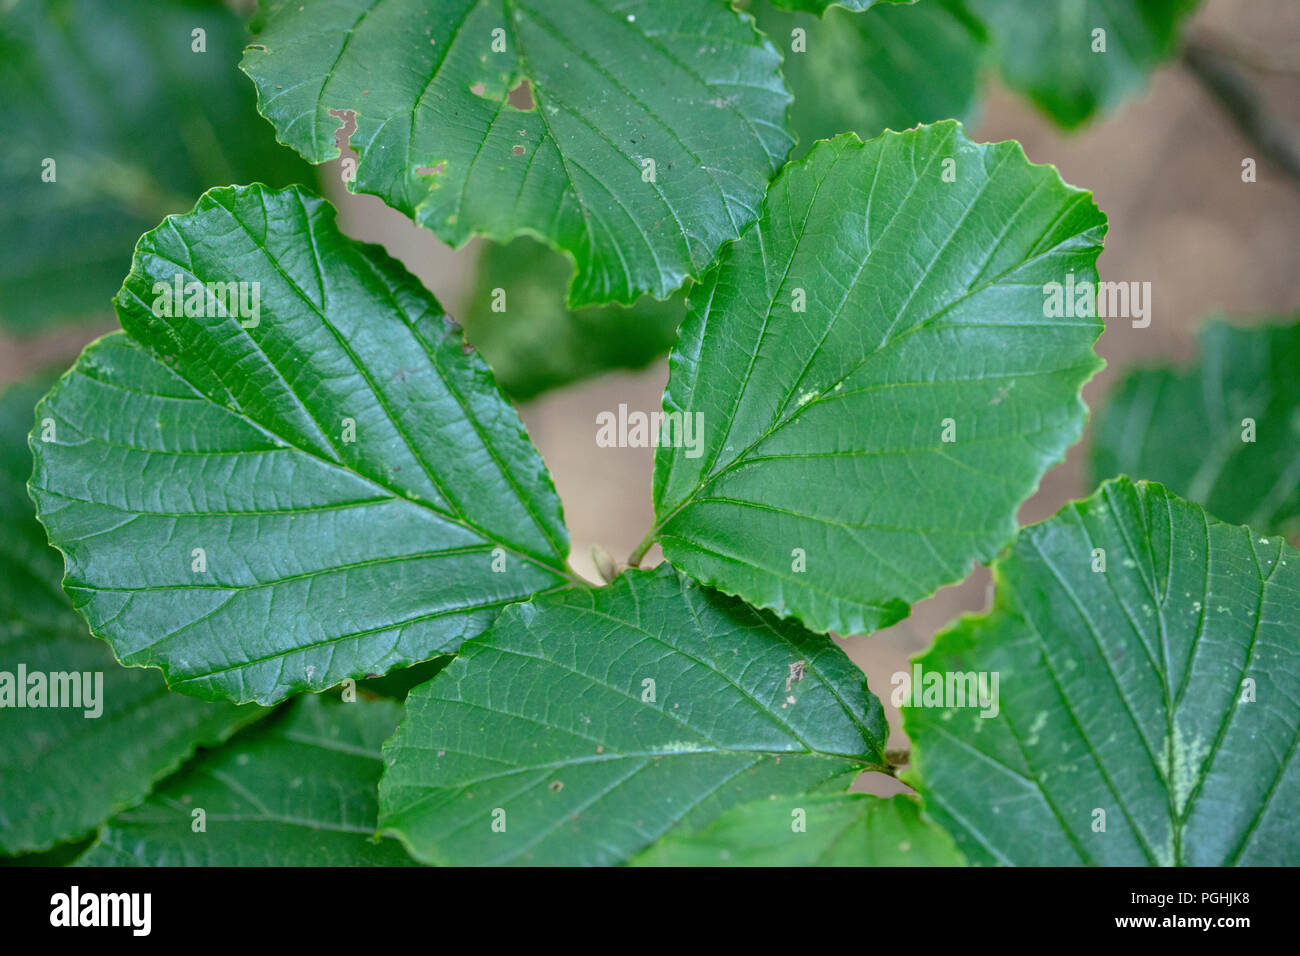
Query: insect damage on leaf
[{"x": 627, "y": 163}]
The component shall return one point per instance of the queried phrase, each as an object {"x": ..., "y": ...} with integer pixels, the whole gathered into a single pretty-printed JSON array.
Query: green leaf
[
  {"x": 1163, "y": 692},
  {"x": 1046, "y": 50},
  {"x": 176, "y": 122},
  {"x": 362, "y": 494},
  {"x": 824, "y": 486},
  {"x": 298, "y": 790},
  {"x": 1187, "y": 428},
  {"x": 62, "y": 770},
  {"x": 592, "y": 721},
  {"x": 850, "y": 829},
  {"x": 448, "y": 133},
  {"x": 534, "y": 343},
  {"x": 890, "y": 68}
]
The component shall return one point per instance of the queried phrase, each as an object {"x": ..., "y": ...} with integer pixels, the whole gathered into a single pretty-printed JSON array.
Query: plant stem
[
  {"x": 1221, "y": 77},
  {"x": 897, "y": 757},
  {"x": 634, "y": 559}
]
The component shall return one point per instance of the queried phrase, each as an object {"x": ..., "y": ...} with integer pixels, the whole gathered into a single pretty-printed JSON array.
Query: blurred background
[{"x": 1166, "y": 167}]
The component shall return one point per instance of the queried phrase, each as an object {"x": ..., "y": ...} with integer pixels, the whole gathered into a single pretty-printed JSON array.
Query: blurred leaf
[
  {"x": 30, "y": 568},
  {"x": 1045, "y": 49},
  {"x": 536, "y": 343},
  {"x": 62, "y": 772},
  {"x": 138, "y": 125},
  {"x": 1184, "y": 427},
  {"x": 1145, "y": 710},
  {"x": 848, "y": 829},
  {"x": 62, "y": 855},
  {"x": 298, "y": 790},
  {"x": 821, "y": 6},
  {"x": 590, "y": 722},
  {"x": 892, "y": 67}
]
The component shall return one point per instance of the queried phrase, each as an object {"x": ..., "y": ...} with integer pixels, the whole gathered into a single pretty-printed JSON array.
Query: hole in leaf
[
  {"x": 343, "y": 135},
  {"x": 521, "y": 97}
]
